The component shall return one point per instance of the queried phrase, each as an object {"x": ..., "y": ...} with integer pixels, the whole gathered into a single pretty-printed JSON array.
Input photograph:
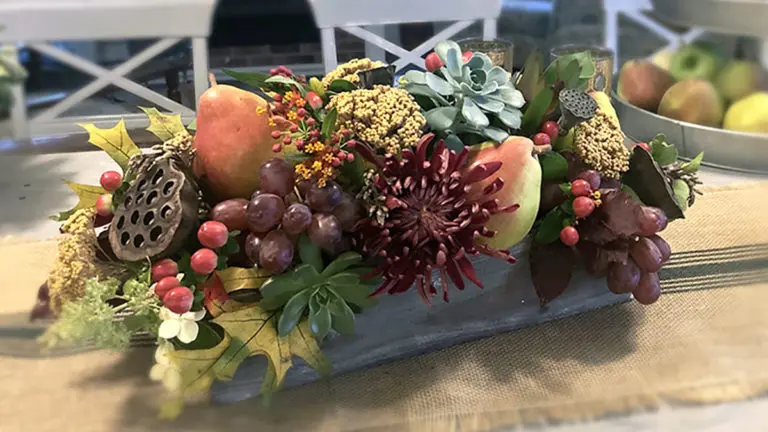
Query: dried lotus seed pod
[{"x": 158, "y": 213}]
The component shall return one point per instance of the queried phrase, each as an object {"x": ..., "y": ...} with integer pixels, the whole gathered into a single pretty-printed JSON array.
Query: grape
[
  {"x": 252, "y": 246},
  {"x": 264, "y": 212},
  {"x": 648, "y": 290},
  {"x": 213, "y": 234},
  {"x": 276, "y": 252},
  {"x": 204, "y": 261},
  {"x": 592, "y": 177},
  {"x": 231, "y": 213},
  {"x": 277, "y": 177},
  {"x": 551, "y": 128},
  {"x": 325, "y": 199},
  {"x": 166, "y": 284},
  {"x": 651, "y": 220},
  {"x": 325, "y": 231},
  {"x": 609, "y": 183},
  {"x": 291, "y": 198},
  {"x": 163, "y": 268},
  {"x": 297, "y": 219},
  {"x": 179, "y": 300},
  {"x": 646, "y": 255},
  {"x": 343, "y": 245},
  {"x": 551, "y": 196},
  {"x": 663, "y": 246},
  {"x": 623, "y": 278},
  {"x": 348, "y": 212}
]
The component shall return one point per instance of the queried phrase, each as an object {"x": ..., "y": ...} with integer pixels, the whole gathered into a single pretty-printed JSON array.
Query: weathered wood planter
[{"x": 402, "y": 326}]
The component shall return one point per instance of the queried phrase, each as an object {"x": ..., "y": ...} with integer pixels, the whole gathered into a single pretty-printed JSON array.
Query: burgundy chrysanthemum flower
[{"x": 435, "y": 218}]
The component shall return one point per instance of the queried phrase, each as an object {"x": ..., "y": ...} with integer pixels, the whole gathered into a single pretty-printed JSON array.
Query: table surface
[{"x": 31, "y": 190}]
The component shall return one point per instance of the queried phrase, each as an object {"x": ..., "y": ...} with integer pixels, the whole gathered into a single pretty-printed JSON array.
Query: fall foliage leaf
[
  {"x": 198, "y": 367},
  {"x": 242, "y": 284},
  {"x": 87, "y": 196},
  {"x": 115, "y": 141},
  {"x": 164, "y": 126},
  {"x": 257, "y": 329}
]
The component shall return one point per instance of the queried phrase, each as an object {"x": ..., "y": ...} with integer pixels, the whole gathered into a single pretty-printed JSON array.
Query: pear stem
[{"x": 212, "y": 79}]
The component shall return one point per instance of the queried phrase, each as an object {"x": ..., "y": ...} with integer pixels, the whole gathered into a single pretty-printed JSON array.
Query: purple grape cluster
[{"x": 280, "y": 212}]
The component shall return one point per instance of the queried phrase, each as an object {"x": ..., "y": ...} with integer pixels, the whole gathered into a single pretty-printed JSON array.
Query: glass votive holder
[
  {"x": 602, "y": 59},
  {"x": 499, "y": 51}
]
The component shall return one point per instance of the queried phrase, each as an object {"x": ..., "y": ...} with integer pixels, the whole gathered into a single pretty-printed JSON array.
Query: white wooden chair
[
  {"x": 353, "y": 15},
  {"x": 633, "y": 9},
  {"x": 33, "y": 23}
]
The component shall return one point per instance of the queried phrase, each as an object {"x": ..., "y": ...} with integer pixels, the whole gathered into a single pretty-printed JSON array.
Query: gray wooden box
[{"x": 403, "y": 326}]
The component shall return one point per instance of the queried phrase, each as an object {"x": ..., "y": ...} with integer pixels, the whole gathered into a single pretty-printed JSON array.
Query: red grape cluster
[
  {"x": 549, "y": 131},
  {"x": 276, "y": 216}
]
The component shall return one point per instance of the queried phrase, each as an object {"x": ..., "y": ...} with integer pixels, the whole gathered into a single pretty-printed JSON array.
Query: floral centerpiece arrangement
[{"x": 284, "y": 212}]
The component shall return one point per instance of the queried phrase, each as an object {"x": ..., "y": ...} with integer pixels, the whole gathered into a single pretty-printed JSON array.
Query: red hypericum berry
[
  {"x": 350, "y": 157},
  {"x": 541, "y": 139},
  {"x": 433, "y": 62},
  {"x": 583, "y": 206},
  {"x": 275, "y": 134},
  {"x": 311, "y": 122},
  {"x": 643, "y": 146},
  {"x": 213, "y": 234},
  {"x": 314, "y": 100},
  {"x": 166, "y": 284},
  {"x": 179, "y": 300},
  {"x": 581, "y": 188},
  {"x": 467, "y": 56},
  {"x": 104, "y": 205},
  {"x": 550, "y": 128},
  {"x": 204, "y": 261},
  {"x": 164, "y": 268},
  {"x": 276, "y": 148},
  {"x": 111, "y": 180},
  {"x": 569, "y": 236}
]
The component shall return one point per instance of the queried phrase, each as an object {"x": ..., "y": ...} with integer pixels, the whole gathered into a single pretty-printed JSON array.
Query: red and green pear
[
  {"x": 233, "y": 139},
  {"x": 521, "y": 173}
]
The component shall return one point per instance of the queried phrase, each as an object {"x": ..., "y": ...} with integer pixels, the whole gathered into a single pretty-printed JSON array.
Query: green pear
[
  {"x": 693, "y": 101},
  {"x": 521, "y": 173},
  {"x": 643, "y": 84},
  {"x": 694, "y": 61},
  {"x": 749, "y": 114},
  {"x": 739, "y": 79}
]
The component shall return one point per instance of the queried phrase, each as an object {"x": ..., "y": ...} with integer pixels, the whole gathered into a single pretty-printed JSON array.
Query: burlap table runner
[{"x": 705, "y": 341}]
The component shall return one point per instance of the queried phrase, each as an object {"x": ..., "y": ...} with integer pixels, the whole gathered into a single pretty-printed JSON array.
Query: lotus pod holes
[
  {"x": 575, "y": 107},
  {"x": 158, "y": 212}
]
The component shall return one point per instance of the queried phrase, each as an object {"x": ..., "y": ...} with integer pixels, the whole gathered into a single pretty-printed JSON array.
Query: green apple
[{"x": 694, "y": 62}]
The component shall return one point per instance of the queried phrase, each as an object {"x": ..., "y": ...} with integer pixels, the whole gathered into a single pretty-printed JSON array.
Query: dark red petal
[
  {"x": 444, "y": 282},
  {"x": 481, "y": 172},
  {"x": 469, "y": 271},
  {"x": 454, "y": 274}
]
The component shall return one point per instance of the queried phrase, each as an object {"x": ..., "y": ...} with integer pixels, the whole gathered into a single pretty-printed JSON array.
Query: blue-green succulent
[{"x": 472, "y": 97}]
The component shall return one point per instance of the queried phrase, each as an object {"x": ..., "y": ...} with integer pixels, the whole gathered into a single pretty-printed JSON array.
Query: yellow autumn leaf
[
  {"x": 87, "y": 196},
  {"x": 197, "y": 366},
  {"x": 257, "y": 328},
  {"x": 239, "y": 278},
  {"x": 218, "y": 307},
  {"x": 115, "y": 141},
  {"x": 164, "y": 126}
]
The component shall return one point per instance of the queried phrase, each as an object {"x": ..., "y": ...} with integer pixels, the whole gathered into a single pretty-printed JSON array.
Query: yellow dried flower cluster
[
  {"x": 75, "y": 260},
  {"x": 348, "y": 71},
  {"x": 600, "y": 143},
  {"x": 385, "y": 117}
]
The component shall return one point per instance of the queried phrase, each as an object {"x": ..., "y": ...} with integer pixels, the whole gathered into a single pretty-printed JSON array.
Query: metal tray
[
  {"x": 402, "y": 326},
  {"x": 736, "y": 17},
  {"x": 738, "y": 151}
]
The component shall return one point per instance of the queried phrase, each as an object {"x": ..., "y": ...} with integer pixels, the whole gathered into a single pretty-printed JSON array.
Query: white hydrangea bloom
[
  {"x": 163, "y": 370},
  {"x": 182, "y": 326}
]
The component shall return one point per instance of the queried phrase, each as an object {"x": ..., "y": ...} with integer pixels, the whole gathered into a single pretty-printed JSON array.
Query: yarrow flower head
[{"x": 433, "y": 220}]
